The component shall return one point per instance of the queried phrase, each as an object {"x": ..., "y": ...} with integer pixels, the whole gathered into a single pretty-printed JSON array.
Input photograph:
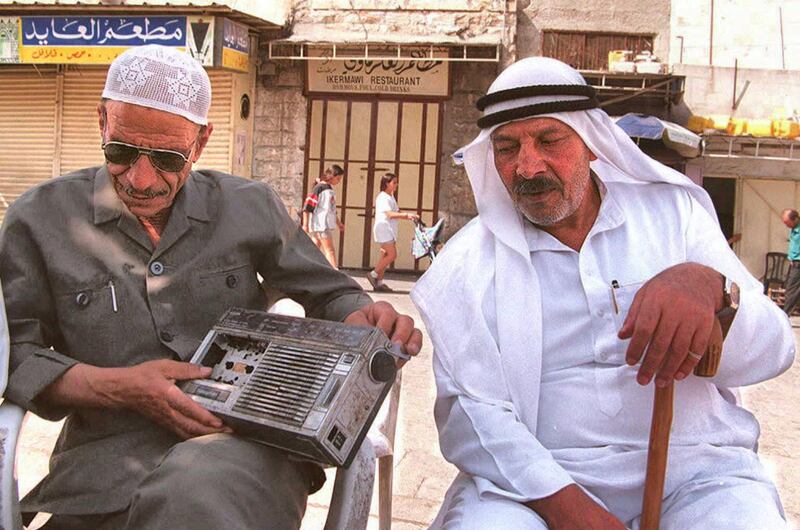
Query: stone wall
[
  {"x": 395, "y": 20},
  {"x": 609, "y": 16},
  {"x": 280, "y": 129},
  {"x": 470, "y": 82}
]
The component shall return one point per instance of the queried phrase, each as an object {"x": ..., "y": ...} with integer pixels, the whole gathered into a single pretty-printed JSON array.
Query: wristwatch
[{"x": 730, "y": 304}]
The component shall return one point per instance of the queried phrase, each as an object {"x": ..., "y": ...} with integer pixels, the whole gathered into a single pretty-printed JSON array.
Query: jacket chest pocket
[
  {"x": 91, "y": 321},
  {"x": 217, "y": 290}
]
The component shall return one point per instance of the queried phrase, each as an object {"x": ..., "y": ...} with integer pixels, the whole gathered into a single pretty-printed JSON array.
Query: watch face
[{"x": 733, "y": 294}]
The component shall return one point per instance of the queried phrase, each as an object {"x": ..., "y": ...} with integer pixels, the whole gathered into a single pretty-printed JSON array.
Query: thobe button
[
  {"x": 157, "y": 268},
  {"x": 83, "y": 299},
  {"x": 231, "y": 281},
  {"x": 166, "y": 336}
]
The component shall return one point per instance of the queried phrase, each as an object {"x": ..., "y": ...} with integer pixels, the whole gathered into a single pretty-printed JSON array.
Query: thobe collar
[
  {"x": 192, "y": 202},
  {"x": 609, "y": 216}
]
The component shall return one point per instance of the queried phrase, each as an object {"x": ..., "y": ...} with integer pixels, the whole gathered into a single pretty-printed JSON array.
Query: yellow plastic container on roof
[
  {"x": 719, "y": 121},
  {"x": 759, "y": 127},
  {"x": 698, "y": 124},
  {"x": 737, "y": 126},
  {"x": 785, "y": 129}
]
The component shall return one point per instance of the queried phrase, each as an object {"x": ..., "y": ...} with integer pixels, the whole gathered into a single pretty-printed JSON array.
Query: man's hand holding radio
[
  {"x": 148, "y": 389},
  {"x": 399, "y": 328}
]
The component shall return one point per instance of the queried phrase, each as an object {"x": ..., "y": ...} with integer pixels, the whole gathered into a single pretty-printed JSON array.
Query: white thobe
[{"x": 593, "y": 419}]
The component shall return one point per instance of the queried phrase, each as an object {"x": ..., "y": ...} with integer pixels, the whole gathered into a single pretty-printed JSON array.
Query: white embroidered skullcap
[{"x": 163, "y": 78}]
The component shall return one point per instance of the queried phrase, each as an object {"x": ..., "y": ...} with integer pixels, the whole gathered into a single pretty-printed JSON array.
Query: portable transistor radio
[{"x": 310, "y": 387}]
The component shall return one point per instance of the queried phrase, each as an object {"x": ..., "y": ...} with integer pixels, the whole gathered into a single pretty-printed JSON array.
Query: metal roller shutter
[
  {"x": 217, "y": 154},
  {"x": 27, "y": 129},
  {"x": 30, "y": 150},
  {"x": 80, "y": 136},
  {"x": 80, "y": 133}
]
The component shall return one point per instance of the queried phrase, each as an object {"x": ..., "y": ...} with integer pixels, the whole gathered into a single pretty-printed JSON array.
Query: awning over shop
[{"x": 683, "y": 141}]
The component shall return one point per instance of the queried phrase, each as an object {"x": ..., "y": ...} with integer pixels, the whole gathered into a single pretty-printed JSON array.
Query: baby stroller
[{"x": 426, "y": 240}]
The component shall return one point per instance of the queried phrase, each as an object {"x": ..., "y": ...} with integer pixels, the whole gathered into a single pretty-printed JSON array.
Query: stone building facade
[
  {"x": 500, "y": 29},
  {"x": 283, "y": 111},
  {"x": 643, "y": 17}
]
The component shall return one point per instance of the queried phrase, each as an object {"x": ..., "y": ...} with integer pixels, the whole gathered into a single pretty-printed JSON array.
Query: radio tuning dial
[{"x": 382, "y": 367}]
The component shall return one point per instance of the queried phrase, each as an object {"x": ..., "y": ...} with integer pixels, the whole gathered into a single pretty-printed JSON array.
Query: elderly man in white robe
[{"x": 590, "y": 272}]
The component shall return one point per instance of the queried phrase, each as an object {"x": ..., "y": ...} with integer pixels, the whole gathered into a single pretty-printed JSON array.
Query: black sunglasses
[{"x": 126, "y": 154}]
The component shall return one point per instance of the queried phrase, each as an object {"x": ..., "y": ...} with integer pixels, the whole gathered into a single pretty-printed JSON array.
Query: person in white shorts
[
  {"x": 323, "y": 219},
  {"x": 385, "y": 229}
]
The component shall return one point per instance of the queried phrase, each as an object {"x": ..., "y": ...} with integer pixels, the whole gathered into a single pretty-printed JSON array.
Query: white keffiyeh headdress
[{"x": 544, "y": 87}]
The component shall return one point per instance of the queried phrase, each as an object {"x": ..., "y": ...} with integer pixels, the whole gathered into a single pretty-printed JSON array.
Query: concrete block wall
[
  {"x": 710, "y": 90},
  {"x": 743, "y": 29},
  {"x": 608, "y": 16}
]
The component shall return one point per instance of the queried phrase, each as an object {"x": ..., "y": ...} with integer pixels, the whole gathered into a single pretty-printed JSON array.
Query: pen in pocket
[
  {"x": 614, "y": 287},
  {"x": 113, "y": 295}
]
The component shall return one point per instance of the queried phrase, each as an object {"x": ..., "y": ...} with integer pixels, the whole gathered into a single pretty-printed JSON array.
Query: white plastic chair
[
  {"x": 10, "y": 423},
  {"x": 352, "y": 490}
]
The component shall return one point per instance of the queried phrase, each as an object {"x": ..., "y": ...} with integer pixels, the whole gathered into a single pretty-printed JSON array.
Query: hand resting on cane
[{"x": 671, "y": 316}]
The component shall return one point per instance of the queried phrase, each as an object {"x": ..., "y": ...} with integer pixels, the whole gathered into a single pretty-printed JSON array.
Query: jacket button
[
  {"x": 166, "y": 336},
  {"x": 231, "y": 281},
  {"x": 157, "y": 268},
  {"x": 83, "y": 299}
]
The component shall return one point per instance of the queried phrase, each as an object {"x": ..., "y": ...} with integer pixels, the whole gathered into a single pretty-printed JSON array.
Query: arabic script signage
[
  {"x": 9, "y": 49},
  {"x": 423, "y": 77},
  {"x": 94, "y": 40},
  {"x": 233, "y": 46}
]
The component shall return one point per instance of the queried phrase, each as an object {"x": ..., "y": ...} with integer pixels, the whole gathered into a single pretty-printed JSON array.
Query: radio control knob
[{"x": 381, "y": 367}]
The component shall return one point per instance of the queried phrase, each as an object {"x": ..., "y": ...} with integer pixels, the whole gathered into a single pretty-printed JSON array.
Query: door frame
[{"x": 375, "y": 100}]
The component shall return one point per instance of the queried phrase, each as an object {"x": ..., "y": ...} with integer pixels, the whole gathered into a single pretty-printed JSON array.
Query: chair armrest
[
  {"x": 10, "y": 424},
  {"x": 352, "y": 492}
]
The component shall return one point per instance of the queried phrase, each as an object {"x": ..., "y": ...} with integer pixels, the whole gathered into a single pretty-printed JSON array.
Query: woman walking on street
[
  {"x": 323, "y": 220},
  {"x": 385, "y": 230}
]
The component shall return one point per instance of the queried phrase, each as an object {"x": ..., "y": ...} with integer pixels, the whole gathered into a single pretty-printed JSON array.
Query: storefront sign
[
  {"x": 233, "y": 45},
  {"x": 94, "y": 40},
  {"x": 9, "y": 36},
  {"x": 200, "y": 39},
  {"x": 424, "y": 77}
]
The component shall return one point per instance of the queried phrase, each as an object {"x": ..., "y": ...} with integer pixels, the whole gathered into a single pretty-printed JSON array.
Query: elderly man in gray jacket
[{"x": 114, "y": 274}]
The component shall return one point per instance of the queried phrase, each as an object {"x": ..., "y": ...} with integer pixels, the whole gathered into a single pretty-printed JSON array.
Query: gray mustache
[
  {"x": 536, "y": 185},
  {"x": 143, "y": 194}
]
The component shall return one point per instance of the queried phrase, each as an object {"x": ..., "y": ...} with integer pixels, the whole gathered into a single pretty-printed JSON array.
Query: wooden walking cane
[{"x": 659, "y": 432}]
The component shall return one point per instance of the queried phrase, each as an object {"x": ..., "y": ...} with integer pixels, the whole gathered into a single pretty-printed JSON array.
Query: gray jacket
[{"x": 64, "y": 244}]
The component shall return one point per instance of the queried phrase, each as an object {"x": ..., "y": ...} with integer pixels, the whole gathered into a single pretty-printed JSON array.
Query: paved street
[{"x": 421, "y": 476}]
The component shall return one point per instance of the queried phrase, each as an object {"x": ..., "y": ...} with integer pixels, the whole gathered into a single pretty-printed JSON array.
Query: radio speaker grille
[{"x": 287, "y": 382}]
